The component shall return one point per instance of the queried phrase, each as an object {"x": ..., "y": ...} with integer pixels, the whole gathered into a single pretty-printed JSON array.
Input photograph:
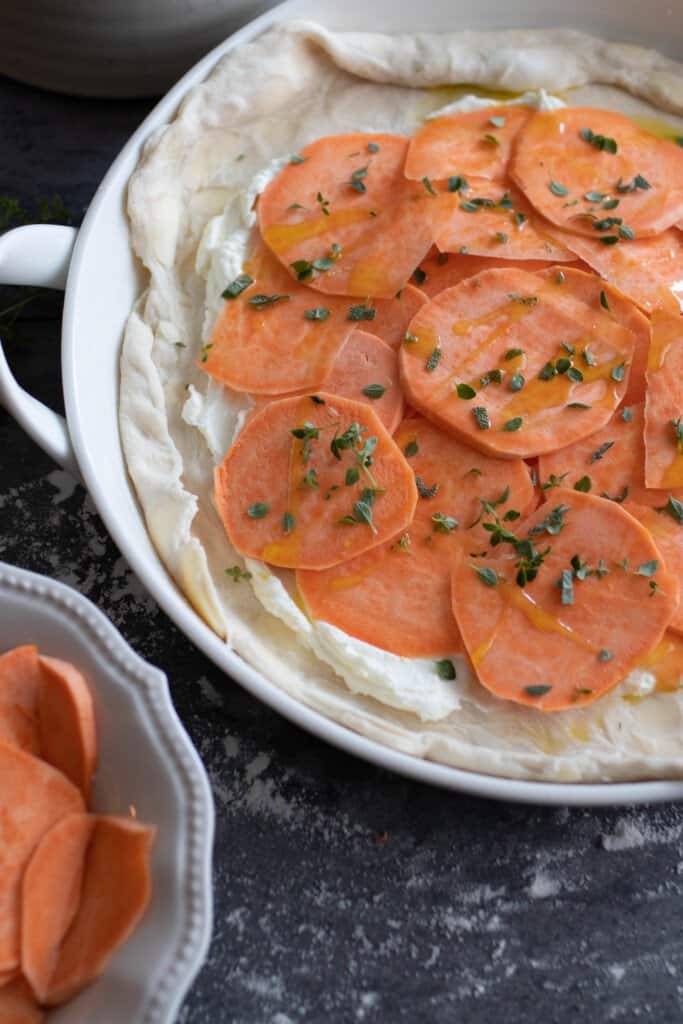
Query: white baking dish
[{"x": 101, "y": 278}]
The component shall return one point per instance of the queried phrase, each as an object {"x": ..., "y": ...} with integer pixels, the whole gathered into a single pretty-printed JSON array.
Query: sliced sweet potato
[
  {"x": 497, "y": 221},
  {"x": 21, "y": 678},
  {"x": 114, "y": 896},
  {"x": 50, "y": 897},
  {"x": 573, "y": 161},
  {"x": 599, "y": 295},
  {"x": 567, "y": 636},
  {"x": 33, "y": 796},
  {"x": 346, "y": 200},
  {"x": 609, "y": 463},
  {"x": 392, "y": 316},
  {"x": 312, "y": 481},
  {"x": 500, "y": 360},
  {"x": 66, "y": 723},
  {"x": 7, "y": 976},
  {"x": 18, "y": 1005},
  {"x": 665, "y": 663},
  {"x": 397, "y": 596},
  {"x": 475, "y": 142},
  {"x": 365, "y": 370},
  {"x": 664, "y": 403},
  {"x": 444, "y": 270},
  {"x": 275, "y": 335},
  {"x": 641, "y": 269},
  {"x": 665, "y": 526}
]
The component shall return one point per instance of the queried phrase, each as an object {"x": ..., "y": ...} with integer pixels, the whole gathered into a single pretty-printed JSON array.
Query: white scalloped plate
[{"x": 147, "y": 765}]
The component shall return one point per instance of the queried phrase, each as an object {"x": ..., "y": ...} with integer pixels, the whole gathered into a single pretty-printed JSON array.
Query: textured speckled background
[{"x": 342, "y": 893}]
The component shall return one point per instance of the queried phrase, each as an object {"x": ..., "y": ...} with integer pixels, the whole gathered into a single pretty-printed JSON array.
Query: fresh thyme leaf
[
  {"x": 317, "y": 313},
  {"x": 554, "y": 481},
  {"x": 512, "y": 353},
  {"x": 500, "y": 236},
  {"x": 205, "y": 351},
  {"x": 474, "y": 471},
  {"x": 419, "y": 276},
  {"x": 372, "y": 147},
  {"x": 595, "y": 197},
  {"x": 258, "y": 510},
  {"x": 465, "y": 391},
  {"x": 553, "y": 522},
  {"x": 562, "y": 364},
  {"x": 352, "y": 476},
  {"x": 267, "y": 300},
  {"x": 537, "y": 690},
  {"x": 482, "y": 417},
  {"x": 456, "y": 183},
  {"x": 589, "y": 358},
  {"x": 619, "y": 498},
  {"x": 626, "y": 232},
  {"x": 517, "y": 381},
  {"x": 424, "y": 491},
  {"x": 444, "y": 523},
  {"x": 486, "y": 575},
  {"x": 609, "y": 239},
  {"x": 514, "y": 424},
  {"x": 604, "y": 301},
  {"x": 575, "y": 374},
  {"x": 674, "y": 507},
  {"x": 639, "y": 182},
  {"x": 492, "y": 139},
  {"x": 610, "y": 204},
  {"x": 374, "y": 390},
  {"x": 310, "y": 479},
  {"x": 602, "y": 142},
  {"x": 434, "y": 360},
  {"x": 647, "y": 568},
  {"x": 409, "y": 339},
  {"x": 520, "y": 219},
  {"x": 296, "y": 159},
  {"x": 678, "y": 433},
  {"x": 558, "y": 189},
  {"x": 547, "y": 372},
  {"x": 492, "y": 377},
  {"x": 524, "y": 300},
  {"x": 237, "y": 286},
  {"x": 362, "y": 312},
  {"x": 618, "y": 373},
  {"x": 323, "y": 263},
  {"x": 584, "y": 484},
  {"x": 324, "y": 204},
  {"x": 605, "y": 655},
  {"x": 627, "y": 415},
  {"x": 566, "y": 585},
  {"x": 601, "y": 451},
  {"x": 362, "y": 513},
  {"x": 428, "y": 185},
  {"x": 445, "y": 669},
  {"x": 412, "y": 448},
  {"x": 288, "y": 522},
  {"x": 238, "y": 574},
  {"x": 497, "y": 122},
  {"x": 469, "y": 207}
]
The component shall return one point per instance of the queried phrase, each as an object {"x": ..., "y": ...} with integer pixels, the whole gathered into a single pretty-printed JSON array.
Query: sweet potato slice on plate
[
  {"x": 473, "y": 142},
  {"x": 642, "y": 269},
  {"x": 601, "y": 295},
  {"x": 500, "y": 359},
  {"x": 312, "y": 481},
  {"x": 114, "y": 896},
  {"x": 573, "y": 161},
  {"x": 497, "y": 221},
  {"x": 18, "y": 1004},
  {"x": 397, "y": 596},
  {"x": 33, "y": 797},
  {"x": 599, "y": 601},
  {"x": 66, "y": 723},
  {"x": 665, "y": 526},
  {"x": 345, "y": 200},
  {"x": 51, "y": 894},
  {"x": 609, "y": 463},
  {"x": 21, "y": 678},
  {"x": 443, "y": 270},
  {"x": 664, "y": 403}
]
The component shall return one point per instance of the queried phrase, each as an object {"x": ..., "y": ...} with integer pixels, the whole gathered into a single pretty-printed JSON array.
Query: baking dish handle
[{"x": 38, "y": 254}]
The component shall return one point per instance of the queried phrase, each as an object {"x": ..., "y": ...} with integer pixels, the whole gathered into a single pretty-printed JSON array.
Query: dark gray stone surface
[{"x": 342, "y": 893}]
